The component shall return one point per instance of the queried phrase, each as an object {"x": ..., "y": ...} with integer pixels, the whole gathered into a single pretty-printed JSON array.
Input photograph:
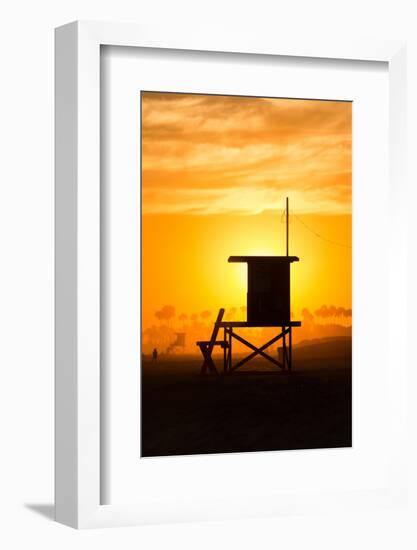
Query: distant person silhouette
[{"x": 154, "y": 354}]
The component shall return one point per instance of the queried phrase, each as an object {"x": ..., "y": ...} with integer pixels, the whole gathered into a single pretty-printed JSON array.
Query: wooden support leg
[
  {"x": 290, "y": 350},
  {"x": 284, "y": 349},
  {"x": 225, "y": 351},
  {"x": 229, "y": 369},
  {"x": 208, "y": 363}
]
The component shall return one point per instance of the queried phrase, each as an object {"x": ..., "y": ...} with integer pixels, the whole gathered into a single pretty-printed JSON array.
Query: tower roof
[{"x": 267, "y": 259}]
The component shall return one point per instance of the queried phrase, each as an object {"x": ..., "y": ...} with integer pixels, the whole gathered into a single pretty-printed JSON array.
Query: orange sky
[{"x": 215, "y": 174}]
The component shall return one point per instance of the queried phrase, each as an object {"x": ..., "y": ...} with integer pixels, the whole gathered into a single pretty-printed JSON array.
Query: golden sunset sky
[{"x": 215, "y": 174}]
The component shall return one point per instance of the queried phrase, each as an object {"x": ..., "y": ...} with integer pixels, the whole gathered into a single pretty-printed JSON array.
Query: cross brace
[{"x": 229, "y": 334}]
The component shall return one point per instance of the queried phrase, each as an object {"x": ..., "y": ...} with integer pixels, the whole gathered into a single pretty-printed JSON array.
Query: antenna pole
[{"x": 286, "y": 203}]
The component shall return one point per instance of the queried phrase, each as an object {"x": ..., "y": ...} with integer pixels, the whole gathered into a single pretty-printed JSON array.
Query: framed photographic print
[
  {"x": 225, "y": 306},
  {"x": 215, "y": 171}
]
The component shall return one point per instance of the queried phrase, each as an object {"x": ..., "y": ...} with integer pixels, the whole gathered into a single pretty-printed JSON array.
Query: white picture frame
[{"x": 78, "y": 406}]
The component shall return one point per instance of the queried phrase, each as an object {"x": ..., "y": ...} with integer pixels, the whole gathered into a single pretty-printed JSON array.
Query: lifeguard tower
[
  {"x": 268, "y": 305},
  {"x": 178, "y": 343}
]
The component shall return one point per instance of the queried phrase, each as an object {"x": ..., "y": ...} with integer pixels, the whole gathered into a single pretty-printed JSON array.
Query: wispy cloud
[{"x": 217, "y": 154}]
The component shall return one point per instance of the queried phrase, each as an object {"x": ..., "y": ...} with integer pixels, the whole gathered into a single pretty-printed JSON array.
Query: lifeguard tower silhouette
[
  {"x": 268, "y": 305},
  {"x": 179, "y": 342}
]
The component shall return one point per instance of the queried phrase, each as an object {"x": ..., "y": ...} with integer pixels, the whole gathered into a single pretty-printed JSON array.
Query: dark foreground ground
[{"x": 185, "y": 413}]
